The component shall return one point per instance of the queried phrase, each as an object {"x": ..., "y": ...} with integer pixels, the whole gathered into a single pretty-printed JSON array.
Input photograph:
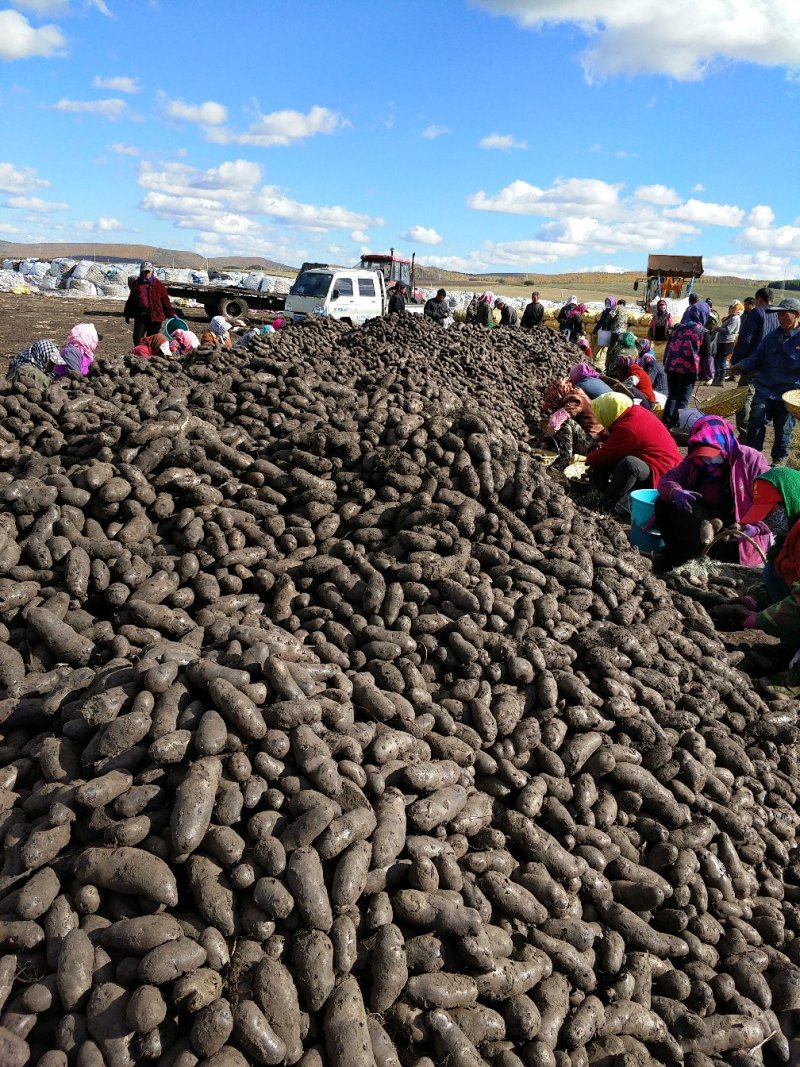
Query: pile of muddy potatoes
[{"x": 333, "y": 733}]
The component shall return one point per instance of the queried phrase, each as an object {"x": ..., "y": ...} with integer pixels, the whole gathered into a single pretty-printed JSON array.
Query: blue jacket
[
  {"x": 755, "y": 326},
  {"x": 775, "y": 364}
]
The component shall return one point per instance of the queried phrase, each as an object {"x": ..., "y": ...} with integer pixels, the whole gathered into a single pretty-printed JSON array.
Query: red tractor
[{"x": 394, "y": 269}]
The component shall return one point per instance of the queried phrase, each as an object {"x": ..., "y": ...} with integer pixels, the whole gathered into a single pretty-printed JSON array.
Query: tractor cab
[{"x": 393, "y": 268}]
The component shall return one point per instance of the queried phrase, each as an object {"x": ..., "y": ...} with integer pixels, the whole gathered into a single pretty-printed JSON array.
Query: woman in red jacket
[
  {"x": 636, "y": 451},
  {"x": 148, "y": 304}
]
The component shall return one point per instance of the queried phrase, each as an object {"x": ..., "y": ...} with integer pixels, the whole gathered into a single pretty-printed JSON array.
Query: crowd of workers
[{"x": 621, "y": 407}]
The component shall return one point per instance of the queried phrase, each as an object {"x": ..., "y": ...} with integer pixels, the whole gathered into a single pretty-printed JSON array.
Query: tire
[{"x": 234, "y": 307}]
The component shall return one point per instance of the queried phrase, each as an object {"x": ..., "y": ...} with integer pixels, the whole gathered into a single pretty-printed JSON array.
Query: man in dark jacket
[
  {"x": 533, "y": 313},
  {"x": 148, "y": 304},
  {"x": 756, "y": 324},
  {"x": 775, "y": 366},
  {"x": 437, "y": 308},
  {"x": 397, "y": 301},
  {"x": 508, "y": 314}
]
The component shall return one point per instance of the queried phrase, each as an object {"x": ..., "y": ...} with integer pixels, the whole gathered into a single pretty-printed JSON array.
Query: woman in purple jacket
[{"x": 714, "y": 482}]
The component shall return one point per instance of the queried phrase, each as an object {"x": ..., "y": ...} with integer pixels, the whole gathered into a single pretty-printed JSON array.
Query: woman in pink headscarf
[
  {"x": 483, "y": 314},
  {"x": 78, "y": 351}
]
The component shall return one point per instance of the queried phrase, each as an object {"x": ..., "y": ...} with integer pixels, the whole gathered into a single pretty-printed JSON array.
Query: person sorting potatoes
[
  {"x": 508, "y": 314},
  {"x": 437, "y": 307},
  {"x": 572, "y": 423},
  {"x": 35, "y": 364},
  {"x": 148, "y": 304},
  {"x": 710, "y": 489},
  {"x": 397, "y": 301},
  {"x": 635, "y": 453},
  {"x": 775, "y": 606}
]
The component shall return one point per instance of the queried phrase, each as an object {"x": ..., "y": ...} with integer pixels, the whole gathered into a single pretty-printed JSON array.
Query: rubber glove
[
  {"x": 684, "y": 499},
  {"x": 749, "y": 621},
  {"x": 748, "y": 602},
  {"x": 750, "y": 530}
]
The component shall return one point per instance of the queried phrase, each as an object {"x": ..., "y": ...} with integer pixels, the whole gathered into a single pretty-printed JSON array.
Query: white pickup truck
[{"x": 348, "y": 294}]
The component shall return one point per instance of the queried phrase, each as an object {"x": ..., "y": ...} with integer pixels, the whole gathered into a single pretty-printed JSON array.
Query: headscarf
[
  {"x": 737, "y": 307},
  {"x": 628, "y": 340},
  {"x": 220, "y": 326},
  {"x": 644, "y": 346},
  {"x": 610, "y": 302},
  {"x": 623, "y": 365},
  {"x": 609, "y": 407},
  {"x": 186, "y": 340},
  {"x": 573, "y": 299},
  {"x": 579, "y": 310},
  {"x": 84, "y": 337},
  {"x": 787, "y": 482},
  {"x": 566, "y": 402},
  {"x": 647, "y": 360},
  {"x": 486, "y": 298},
  {"x": 556, "y": 393},
  {"x": 696, "y": 313},
  {"x": 583, "y": 370},
  {"x": 38, "y": 355},
  {"x": 78, "y": 351},
  {"x": 583, "y": 342},
  {"x": 713, "y": 432}
]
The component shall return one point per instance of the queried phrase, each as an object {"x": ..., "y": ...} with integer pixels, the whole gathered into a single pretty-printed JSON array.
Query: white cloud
[
  {"x": 101, "y": 6},
  {"x": 761, "y": 217},
  {"x": 43, "y": 8},
  {"x": 209, "y": 113},
  {"x": 663, "y": 195},
  {"x": 20, "y": 40},
  {"x": 281, "y": 128},
  {"x": 772, "y": 239},
  {"x": 604, "y": 268},
  {"x": 423, "y": 235},
  {"x": 359, "y": 237},
  {"x": 101, "y": 225},
  {"x": 19, "y": 179},
  {"x": 111, "y": 109},
  {"x": 9, "y": 229},
  {"x": 699, "y": 188},
  {"x": 682, "y": 42},
  {"x": 118, "y": 84},
  {"x": 707, "y": 214},
  {"x": 470, "y": 264},
  {"x": 229, "y": 196},
  {"x": 761, "y": 266},
  {"x": 121, "y": 149},
  {"x": 502, "y": 141},
  {"x": 430, "y": 133},
  {"x": 567, "y": 196},
  {"x": 34, "y": 203}
]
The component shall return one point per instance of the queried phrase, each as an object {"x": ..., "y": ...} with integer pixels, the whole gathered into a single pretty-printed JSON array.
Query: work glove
[
  {"x": 749, "y": 620},
  {"x": 750, "y": 530},
  {"x": 684, "y": 499},
  {"x": 748, "y": 602}
]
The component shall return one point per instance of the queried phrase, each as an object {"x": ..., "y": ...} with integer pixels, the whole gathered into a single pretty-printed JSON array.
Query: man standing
[
  {"x": 533, "y": 313},
  {"x": 775, "y": 366},
  {"x": 508, "y": 313},
  {"x": 437, "y": 307},
  {"x": 755, "y": 326},
  {"x": 397, "y": 301},
  {"x": 148, "y": 304}
]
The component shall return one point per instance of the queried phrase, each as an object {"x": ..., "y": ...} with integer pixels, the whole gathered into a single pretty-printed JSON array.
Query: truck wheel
[{"x": 234, "y": 307}]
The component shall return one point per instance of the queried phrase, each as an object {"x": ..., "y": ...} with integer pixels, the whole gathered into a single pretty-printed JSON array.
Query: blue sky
[{"x": 530, "y": 135}]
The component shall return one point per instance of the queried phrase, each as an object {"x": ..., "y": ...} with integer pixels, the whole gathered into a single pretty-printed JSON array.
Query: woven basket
[
  {"x": 727, "y": 403},
  {"x": 792, "y": 402},
  {"x": 729, "y": 533}
]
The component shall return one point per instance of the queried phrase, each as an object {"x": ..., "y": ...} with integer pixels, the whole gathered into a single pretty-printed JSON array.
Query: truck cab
[{"x": 350, "y": 295}]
